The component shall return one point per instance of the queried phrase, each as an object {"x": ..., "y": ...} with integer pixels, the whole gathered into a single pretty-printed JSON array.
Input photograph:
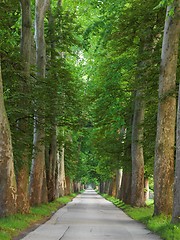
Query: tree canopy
[{"x": 82, "y": 102}]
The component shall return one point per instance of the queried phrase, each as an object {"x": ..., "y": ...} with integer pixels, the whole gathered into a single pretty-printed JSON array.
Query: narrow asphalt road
[{"x": 90, "y": 217}]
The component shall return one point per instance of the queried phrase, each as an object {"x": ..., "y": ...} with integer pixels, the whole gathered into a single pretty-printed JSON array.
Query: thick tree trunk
[
  {"x": 61, "y": 179},
  {"x": 44, "y": 194},
  {"x": 52, "y": 164},
  {"x": 104, "y": 187},
  {"x": 37, "y": 168},
  {"x": 76, "y": 186},
  {"x": 146, "y": 187},
  {"x": 23, "y": 204},
  {"x": 38, "y": 165},
  {"x": 26, "y": 36},
  {"x": 137, "y": 191},
  {"x": 118, "y": 182},
  {"x": 62, "y": 173},
  {"x": 8, "y": 189},
  {"x": 114, "y": 187},
  {"x": 125, "y": 192},
  {"x": 165, "y": 138},
  {"x": 107, "y": 188},
  {"x": 23, "y": 201},
  {"x": 57, "y": 175},
  {"x": 68, "y": 186},
  {"x": 176, "y": 203},
  {"x": 101, "y": 187}
]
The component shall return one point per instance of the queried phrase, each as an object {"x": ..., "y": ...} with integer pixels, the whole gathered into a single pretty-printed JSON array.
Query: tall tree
[
  {"x": 23, "y": 125},
  {"x": 137, "y": 191},
  {"x": 176, "y": 204},
  {"x": 8, "y": 189},
  {"x": 61, "y": 180},
  {"x": 51, "y": 149},
  {"x": 165, "y": 138},
  {"x": 38, "y": 186}
]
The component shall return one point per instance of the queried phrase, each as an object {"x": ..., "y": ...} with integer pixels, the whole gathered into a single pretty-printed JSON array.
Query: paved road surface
[{"x": 90, "y": 217}]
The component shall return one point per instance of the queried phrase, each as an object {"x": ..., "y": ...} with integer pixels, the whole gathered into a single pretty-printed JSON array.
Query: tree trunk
[
  {"x": 44, "y": 193},
  {"x": 137, "y": 191},
  {"x": 8, "y": 189},
  {"x": 57, "y": 175},
  {"x": 118, "y": 182},
  {"x": 146, "y": 187},
  {"x": 101, "y": 187},
  {"x": 107, "y": 188},
  {"x": 68, "y": 186},
  {"x": 176, "y": 203},
  {"x": 61, "y": 179},
  {"x": 26, "y": 36},
  {"x": 23, "y": 204},
  {"x": 76, "y": 186},
  {"x": 114, "y": 187},
  {"x": 125, "y": 192},
  {"x": 52, "y": 163},
  {"x": 37, "y": 168},
  {"x": 38, "y": 164},
  {"x": 165, "y": 138},
  {"x": 62, "y": 173}
]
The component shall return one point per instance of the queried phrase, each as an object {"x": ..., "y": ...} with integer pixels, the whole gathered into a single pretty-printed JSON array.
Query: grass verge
[
  {"x": 12, "y": 226},
  {"x": 160, "y": 225}
]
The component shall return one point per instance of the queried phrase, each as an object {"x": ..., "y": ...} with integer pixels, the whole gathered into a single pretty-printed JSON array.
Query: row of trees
[
  {"x": 127, "y": 39},
  {"x": 82, "y": 97},
  {"x": 44, "y": 101}
]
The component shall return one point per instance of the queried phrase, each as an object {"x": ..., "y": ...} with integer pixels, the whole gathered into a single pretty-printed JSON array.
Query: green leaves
[{"x": 164, "y": 3}]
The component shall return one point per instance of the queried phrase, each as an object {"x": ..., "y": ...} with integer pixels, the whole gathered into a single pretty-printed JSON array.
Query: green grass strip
[
  {"x": 160, "y": 225},
  {"x": 12, "y": 226}
]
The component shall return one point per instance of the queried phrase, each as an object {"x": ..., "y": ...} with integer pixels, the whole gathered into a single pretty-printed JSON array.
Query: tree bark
[
  {"x": 51, "y": 168},
  {"x": 61, "y": 176},
  {"x": 38, "y": 165},
  {"x": 118, "y": 182},
  {"x": 8, "y": 188},
  {"x": 23, "y": 204},
  {"x": 52, "y": 161},
  {"x": 137, "y": 191},
  {"x": 62, "y": 173},
  {"x": 44, "y": 193},
  {"x": 107, "y": 188},
  {"x": 57, "y": 176},
  {"x": 37, "y": 168},
  {"x": 125, "y": 192},
  {"x": 23, "y": 201},
  {"x": 146, "y": 187},
  {"x": 68, "y": 186},
  {"x": 101, "y": 187},
  {"x": 176, "y": 202},
  {"x": 165, "y": 138},
  {"x": 114, "y": 186}
]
